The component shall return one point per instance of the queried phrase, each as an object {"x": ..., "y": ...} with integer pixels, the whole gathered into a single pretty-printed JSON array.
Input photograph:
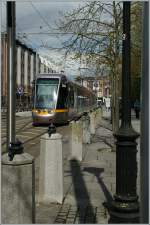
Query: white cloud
[{"x": 34, "y": 17}]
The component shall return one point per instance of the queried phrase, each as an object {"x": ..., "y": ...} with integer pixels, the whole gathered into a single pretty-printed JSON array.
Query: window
[
  {"x": 62, "y": 97},
  {"x": 46, "y": 93},
  {"x": 71, "y": 96}
]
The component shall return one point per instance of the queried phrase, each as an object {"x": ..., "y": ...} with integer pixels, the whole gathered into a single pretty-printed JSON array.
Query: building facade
[
  {"x": 100, "y": 85},
  {"x": 28, "y": 64}
]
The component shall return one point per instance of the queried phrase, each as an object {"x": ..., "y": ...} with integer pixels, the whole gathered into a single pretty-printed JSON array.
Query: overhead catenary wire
[
  {"x": 27, "y": 40},
  {"x": 18, "y": 28},
  {"x": 25, "y": 35},
  {"x": 22, "y": 36},
  {"x": 41, "y": 16},
  {"x": 64, "y": 33}
]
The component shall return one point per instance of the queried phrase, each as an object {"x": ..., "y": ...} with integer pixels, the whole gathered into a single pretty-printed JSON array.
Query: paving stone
[
  {"x": 88, "y": 184},
  {"x": 62, "y": 214},
  {"x": 46, "y": 213},
  {"x": 72, "y": 215}
]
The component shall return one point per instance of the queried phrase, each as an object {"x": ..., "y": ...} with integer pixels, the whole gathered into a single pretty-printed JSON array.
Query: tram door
[
  {"x": 71, "y": 101},
  {"x": 62, "y": 103}
]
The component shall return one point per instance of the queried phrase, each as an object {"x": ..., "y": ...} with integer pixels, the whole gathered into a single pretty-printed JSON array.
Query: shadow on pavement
[
  {"x": 97, "y": 172},
  {"x": 85, "y": 211}
]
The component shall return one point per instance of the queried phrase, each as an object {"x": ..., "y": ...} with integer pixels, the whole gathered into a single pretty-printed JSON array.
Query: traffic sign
[
  {"x": 20, "y": 90},
  {"x": 95, "y": 84}
]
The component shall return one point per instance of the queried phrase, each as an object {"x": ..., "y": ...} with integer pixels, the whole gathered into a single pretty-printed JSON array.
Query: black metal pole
[
  {"x": 125, "y": 207},
  {"x": 13, "y": 146},
  {"x": 144, "y": 153},
  {"x": 11, "y": 79}
]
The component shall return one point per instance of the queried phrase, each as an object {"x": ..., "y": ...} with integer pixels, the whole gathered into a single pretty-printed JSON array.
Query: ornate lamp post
[
  {"x": 144, "y": 153},
  {"x": 125, "y": 207}
]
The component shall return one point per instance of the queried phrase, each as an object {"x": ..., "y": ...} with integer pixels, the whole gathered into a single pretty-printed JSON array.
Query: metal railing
[{"x": 21, "y": 105}]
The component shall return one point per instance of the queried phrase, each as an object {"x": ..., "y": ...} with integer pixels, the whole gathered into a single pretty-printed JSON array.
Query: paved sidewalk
[
  {"x": 87, "y": 184},
  {"x": 24, "y": 114}
]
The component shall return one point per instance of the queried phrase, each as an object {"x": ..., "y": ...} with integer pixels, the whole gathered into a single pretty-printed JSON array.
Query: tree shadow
[{"x": 85, "y": 211}]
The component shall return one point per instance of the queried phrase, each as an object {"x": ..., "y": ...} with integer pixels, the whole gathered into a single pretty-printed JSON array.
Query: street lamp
[{"x": 125, "y": 206}]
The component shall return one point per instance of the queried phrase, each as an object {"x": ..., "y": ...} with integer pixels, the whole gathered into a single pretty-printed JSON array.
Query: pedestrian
[
  {"x": 137, "y": 108},
  {"x": 107, "y": 101}
]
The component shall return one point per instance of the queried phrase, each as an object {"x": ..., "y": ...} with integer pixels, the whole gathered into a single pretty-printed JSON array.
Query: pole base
[
  {"x": 15, "y": 148},
  {"x": 123, "y": 212},
  {"x": 125, "y": 206}
]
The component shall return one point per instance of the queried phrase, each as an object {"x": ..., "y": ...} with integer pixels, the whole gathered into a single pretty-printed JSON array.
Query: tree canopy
[
  {"x": 93, "y": 30},
  {"x": 95, "y": 37}
]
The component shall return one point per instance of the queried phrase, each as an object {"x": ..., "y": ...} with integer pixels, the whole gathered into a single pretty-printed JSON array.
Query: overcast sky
[{"x": 34, "y": 17}]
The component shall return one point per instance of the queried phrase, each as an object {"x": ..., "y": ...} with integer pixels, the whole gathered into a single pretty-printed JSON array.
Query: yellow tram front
[{"x": 50, "y": 100}]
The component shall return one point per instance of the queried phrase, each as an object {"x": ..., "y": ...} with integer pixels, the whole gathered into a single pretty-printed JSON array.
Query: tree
[
  {"x": 95, "y": 35},
  {"x": 136, "y": 37}
]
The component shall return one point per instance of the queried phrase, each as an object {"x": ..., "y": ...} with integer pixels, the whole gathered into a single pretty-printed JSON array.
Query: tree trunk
[{"x": 115, "y": 123}]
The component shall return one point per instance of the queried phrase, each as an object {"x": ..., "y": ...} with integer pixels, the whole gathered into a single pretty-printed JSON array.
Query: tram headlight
[{"x": 35, "y": 111}]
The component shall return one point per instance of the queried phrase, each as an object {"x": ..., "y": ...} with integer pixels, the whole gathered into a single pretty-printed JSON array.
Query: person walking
[{"x": 137, "y": 108}]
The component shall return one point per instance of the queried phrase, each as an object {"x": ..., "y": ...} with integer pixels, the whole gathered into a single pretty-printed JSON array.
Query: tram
[{"x": 58, "y": 100}]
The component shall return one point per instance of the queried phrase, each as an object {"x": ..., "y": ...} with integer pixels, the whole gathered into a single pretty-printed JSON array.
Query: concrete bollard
[
  {"x": 76, "y": 145},
  {"x": 92, "y": 122},
  {"x": 98, "y": 116},
  {"x": 18, "y": 189},
  {"x": 86, "y": 129},
  {"x": 95, "y": 118},
  {"x": 51, "y": 169}
]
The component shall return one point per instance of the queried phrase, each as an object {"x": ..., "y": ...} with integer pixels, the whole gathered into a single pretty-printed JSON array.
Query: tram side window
[
  {"x": 33, "y": 93},
  {"x": 71, "y": 97},
  {"x": 81, "y": 99},
  {"x": 62, "y": 98}
]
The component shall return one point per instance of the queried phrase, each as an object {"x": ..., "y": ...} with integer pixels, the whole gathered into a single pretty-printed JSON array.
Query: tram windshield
[{"x": 46, "y": 93}]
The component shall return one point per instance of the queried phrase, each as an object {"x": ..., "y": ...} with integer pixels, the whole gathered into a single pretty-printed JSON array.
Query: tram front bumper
[{"x": 41, "y": 118}]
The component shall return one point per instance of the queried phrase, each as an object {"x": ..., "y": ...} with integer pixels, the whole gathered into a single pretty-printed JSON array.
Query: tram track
[
  {"x": 28, "y": 134},
  {"x": 18, "y": 130},
  {"x": 25, "y": 132}
]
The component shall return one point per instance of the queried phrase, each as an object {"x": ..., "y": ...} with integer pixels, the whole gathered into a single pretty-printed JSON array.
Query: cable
[
  {"x": 47, "y": 33},
  {"x": 40, "y": 14},
  {"x": 22, "y": 38}
]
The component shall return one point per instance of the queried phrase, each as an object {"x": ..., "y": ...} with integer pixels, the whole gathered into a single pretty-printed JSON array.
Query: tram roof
[{"x": 47, "y": 75}]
